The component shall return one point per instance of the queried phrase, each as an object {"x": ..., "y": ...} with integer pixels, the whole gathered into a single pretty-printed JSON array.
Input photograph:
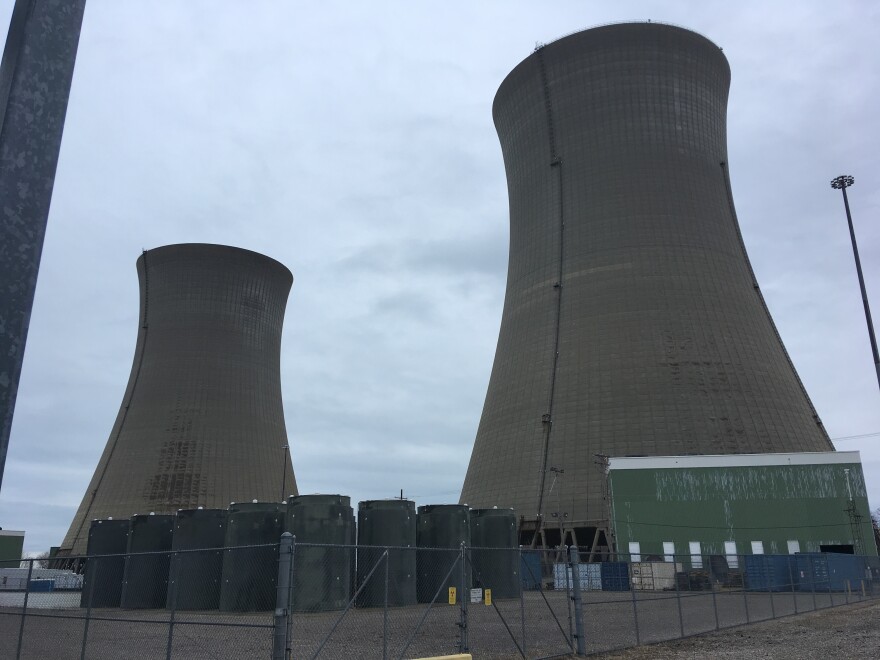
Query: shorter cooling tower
[
  {"x": 441, "y": 529},
  {"x": 197, "y": 560},
  {"x": 146, "y": 575},
  {"x": 386, "y": 525},
  {"x": 102, "y": 581},
  {"x": 201, "y": 421},
  {"x": 250, "y": 560},
  {"x": 323, "y": 527},
  {"x": 495, "y": 552}
]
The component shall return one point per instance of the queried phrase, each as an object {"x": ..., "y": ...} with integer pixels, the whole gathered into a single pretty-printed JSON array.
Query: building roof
[{"x": 732, "y": 460}]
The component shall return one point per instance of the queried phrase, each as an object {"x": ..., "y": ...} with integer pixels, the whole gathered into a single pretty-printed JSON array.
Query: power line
[{"x": 857, "y": 437}]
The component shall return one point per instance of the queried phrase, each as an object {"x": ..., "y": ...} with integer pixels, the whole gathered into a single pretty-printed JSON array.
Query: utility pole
[
  {"x": 35, "y": 76},
  {"x": 855, "y": 518}
]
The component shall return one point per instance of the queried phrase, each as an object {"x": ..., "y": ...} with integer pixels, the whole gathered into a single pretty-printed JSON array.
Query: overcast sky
[{"x": 354, "y": 143}]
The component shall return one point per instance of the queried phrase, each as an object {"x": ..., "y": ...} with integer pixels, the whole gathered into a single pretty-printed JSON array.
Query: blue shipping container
[
  {"x": 770, "y": 572},
  {"x": 830, "y": 572},
  {"x": 615, "y": 576},
  {"x": 37, "y": 586},
  {"x": 530, "y": 570},
  {"x": 812, "y": 571},
  {"x": 845, "y": 571}
]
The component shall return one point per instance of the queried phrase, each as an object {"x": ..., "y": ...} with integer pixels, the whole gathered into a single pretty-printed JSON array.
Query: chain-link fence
[{"x": 300, "y": 600}]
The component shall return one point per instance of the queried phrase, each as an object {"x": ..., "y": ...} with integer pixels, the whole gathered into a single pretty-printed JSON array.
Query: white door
[
  {"x": 696, "y": 554},
  {"x": 730, "y": 552},
  {"x": 635, "y": 551},
  {"x": 668, "y": 551},
  {"x": 757, "y": 547},
  {"x": 794, "y": 547}
]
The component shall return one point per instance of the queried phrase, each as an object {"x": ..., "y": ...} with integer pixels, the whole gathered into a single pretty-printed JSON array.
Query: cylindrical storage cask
[
  {"x": 441, "y": 529},
  {"x": 386, "y": 525},
  {"x": 250, "y": 558},
  {"x": 495, "y": 552},
  {"x": 105, "y": 566},
  {"x": 323, "y": 528},
  {"x": 145, "y": 584},
  {"x": 197, "y": 560}
]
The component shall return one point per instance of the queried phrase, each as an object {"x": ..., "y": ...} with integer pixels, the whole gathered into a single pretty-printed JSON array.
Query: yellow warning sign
[
  {"x": 452, "y": 595},
  {"x": 487, "y": 596}
]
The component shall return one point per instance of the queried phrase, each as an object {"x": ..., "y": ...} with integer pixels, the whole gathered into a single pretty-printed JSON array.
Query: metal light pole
[
  {"x": 842, "y": 183},
  {"x": 284, "y": 470}
]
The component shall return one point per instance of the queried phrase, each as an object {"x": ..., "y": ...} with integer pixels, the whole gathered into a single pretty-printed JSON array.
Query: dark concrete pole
[
  {"x": 842, "y": 183},
  {"x": 35, "y": 76}
]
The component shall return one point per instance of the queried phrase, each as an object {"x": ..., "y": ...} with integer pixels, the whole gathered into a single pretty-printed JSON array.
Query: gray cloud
[{"x": 354, "y": 143}]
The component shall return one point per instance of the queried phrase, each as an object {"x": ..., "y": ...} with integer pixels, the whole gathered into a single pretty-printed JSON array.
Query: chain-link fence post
[
  {"x": 573, "y": 562},
  {"x": 385, "y": 610},
  {"x": 280, "y": 641},
  {"x": 464, "y": 595},
  {"x": 676, "y": 578},
  {"x": 522, "y": 598},
  {"x": 828, "y": 581},
  {"x": 173, "y": 579},
  {"x": 741, "y": 562},
  {"x": 714, "y": 597},
  {"x": 91, "y": 567},
  {"x": 791, "y": 579},
  {"x": 813, "y": 582},
  {"x": 632, "y": 589},
  {"x": 769, "y": 586},
  {"x": 27, "y": 590},
  {"x": 563, "y": 551},
  {"x": 290, "y": 576}
]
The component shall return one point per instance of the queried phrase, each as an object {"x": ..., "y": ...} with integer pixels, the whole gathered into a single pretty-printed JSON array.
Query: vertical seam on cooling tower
[
  {"x": 726, "y": 176},
  {"x": 555, "y": 164},
  {"x": 126, "y": 404}
]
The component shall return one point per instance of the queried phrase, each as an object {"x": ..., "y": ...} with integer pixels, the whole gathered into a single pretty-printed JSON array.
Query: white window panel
[
  {"x": 635, "y": 550},
  {"x": 794, "y": 547},
  {"x": 696, "y": 554},
  {"x": 730, "y": 551},
  {"x": 668, "y": 551},
  {"x": 757, "y": 547}
]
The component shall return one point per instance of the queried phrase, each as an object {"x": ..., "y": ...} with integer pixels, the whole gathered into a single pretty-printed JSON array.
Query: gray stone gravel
[
  {"x": 849, "y": 631},
  {"x": 843, "y": 631}
]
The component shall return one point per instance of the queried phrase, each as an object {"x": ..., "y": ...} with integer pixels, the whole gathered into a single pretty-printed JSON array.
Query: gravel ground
[
  {"x": 610, "y": 621},
  {"x": 849, "y": 631}
]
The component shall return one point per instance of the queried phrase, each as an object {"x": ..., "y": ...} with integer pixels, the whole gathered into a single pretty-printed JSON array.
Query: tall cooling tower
[
  {"x": 201, "y": 422},
  {"x": 632, "y": 323}
]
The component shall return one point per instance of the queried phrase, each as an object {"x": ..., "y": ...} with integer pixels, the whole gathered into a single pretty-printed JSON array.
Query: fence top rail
[
  {"x": 168, "y": 553},
  {"x": 419, "y": 548},
  {"x": 626, "y": 557}
]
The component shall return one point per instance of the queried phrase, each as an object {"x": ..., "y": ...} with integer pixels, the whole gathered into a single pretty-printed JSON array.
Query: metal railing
[{"x": 301, "y": 600}]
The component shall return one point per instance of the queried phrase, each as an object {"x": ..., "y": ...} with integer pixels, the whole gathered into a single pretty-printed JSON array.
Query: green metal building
[{"x": 740, "y": 504}]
